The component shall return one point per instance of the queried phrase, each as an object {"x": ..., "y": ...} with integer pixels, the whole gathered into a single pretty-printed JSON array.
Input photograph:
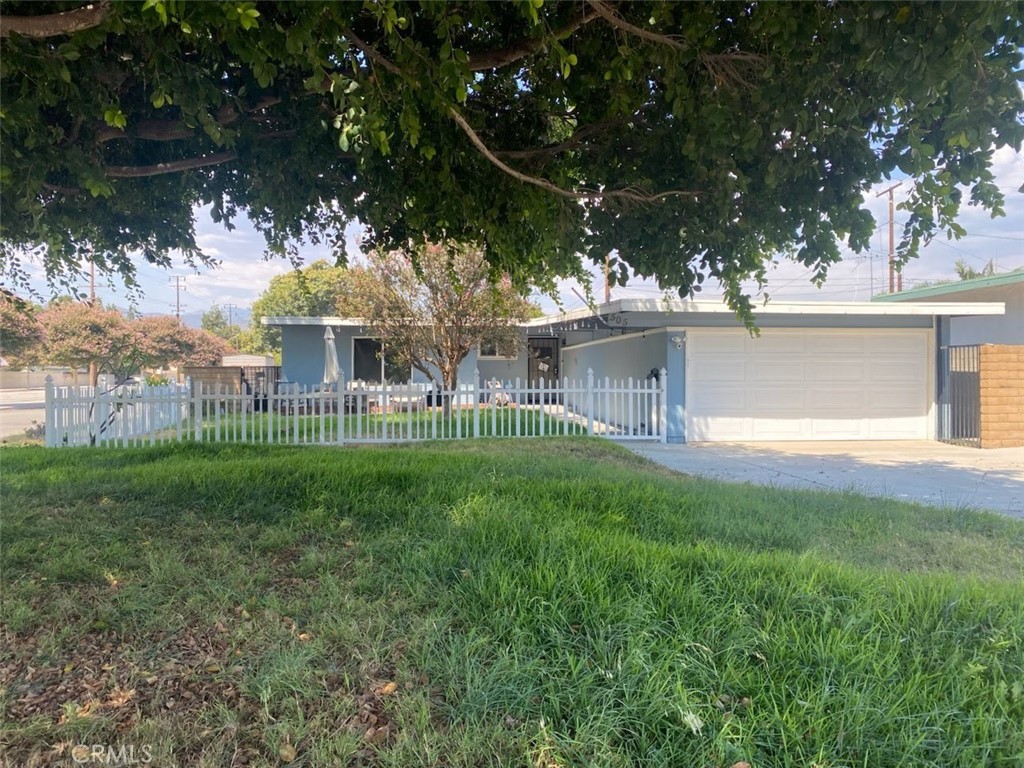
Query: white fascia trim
[
  {"x": 321, "y": 321},
  {"x": 860, "y": 308}
]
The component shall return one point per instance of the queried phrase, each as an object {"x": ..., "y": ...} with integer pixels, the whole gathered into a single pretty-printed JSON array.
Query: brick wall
[{"x": 1002, "y": 396}]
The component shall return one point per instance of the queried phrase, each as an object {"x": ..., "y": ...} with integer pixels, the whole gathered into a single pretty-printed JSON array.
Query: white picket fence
[
  {"x": 120, "y": 415},
  {"x": 354, "y": 412}
]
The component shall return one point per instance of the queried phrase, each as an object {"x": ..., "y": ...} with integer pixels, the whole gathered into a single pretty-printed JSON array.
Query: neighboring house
[
  {"x": 958, "y": 331},
  {"x": 981, "y": 360},
  {"x": 248, "y": 361},
  {"x": 817, "y": 371}
]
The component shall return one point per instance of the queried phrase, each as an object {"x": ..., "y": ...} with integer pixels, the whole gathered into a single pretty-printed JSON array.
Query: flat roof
[
  {"x": 353, "y": 321},
  {"x": 667, "y": 306},
  {"x": 671, "y": 306},
  {"x": 959, "y": 286}
]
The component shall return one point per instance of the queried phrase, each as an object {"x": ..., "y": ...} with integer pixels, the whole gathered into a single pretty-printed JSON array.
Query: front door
[{"x": 543, "y": 362}]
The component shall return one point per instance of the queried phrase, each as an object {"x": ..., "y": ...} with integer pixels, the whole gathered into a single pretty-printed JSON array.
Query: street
[{"x": 18, "y": 409}]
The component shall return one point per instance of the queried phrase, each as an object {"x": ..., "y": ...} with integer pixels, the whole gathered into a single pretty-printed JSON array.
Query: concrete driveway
[{"x": 926, "y": 472}]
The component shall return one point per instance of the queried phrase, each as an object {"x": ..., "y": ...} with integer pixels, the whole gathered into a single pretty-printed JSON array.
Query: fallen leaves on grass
[
  {"x": 287, "y": 753},
  {"x": 101, "y": 673}
]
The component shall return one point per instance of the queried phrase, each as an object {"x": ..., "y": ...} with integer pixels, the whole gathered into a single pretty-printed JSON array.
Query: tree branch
[
  {"x": 522, "y": 48},
  {"x": 631, "y": 194},
  {"x": 53, "y": 24},
  {"x": 563, "y": 146},
  {"x": 371, "y": 53},
  {"x": 150, "y": 130},
  {"x": 724, "y": 67},
  {"x": 145, "y": 171},
  {"x": 608, "y": 14},
  {"x": 171, "y": 130}
]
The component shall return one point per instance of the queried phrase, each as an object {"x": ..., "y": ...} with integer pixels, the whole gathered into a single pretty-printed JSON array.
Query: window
[
  {"x": 507, "y": 349},
  {"x": 371, "y": 365}
]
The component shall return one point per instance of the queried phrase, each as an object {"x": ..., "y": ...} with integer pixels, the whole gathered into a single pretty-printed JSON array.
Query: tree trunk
[{"x": 451, "y": 381}]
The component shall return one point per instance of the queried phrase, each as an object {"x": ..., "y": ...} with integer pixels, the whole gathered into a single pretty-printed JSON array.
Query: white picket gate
[{"x": 354, "y": 412}]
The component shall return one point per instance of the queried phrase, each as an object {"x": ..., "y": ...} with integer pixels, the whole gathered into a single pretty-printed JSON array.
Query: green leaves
[
  {"x": 759, "y": 129},
  {"x": 115, "y": 118},
  {"x": 245, "y": 14}
]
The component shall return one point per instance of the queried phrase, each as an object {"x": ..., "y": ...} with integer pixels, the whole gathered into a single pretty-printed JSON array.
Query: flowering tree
[
  {"x": 432, "y": 306},
  {"x": 80, "y": 334},
  {"x": 21, "y": 335},
  {"x": 164, "y": 342},
  {"x": 203, "y": 348}
]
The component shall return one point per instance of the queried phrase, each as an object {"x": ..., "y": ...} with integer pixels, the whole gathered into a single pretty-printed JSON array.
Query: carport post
[
  {"x": 673, "y": 385},
  {"x": 663, "y": 405}
]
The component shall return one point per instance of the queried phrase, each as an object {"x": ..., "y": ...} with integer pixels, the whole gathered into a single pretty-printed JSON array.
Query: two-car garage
[{"x": 799, "y": 384}]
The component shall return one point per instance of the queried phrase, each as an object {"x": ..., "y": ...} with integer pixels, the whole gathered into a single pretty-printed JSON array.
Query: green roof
[{"x": 931, "y": 291}]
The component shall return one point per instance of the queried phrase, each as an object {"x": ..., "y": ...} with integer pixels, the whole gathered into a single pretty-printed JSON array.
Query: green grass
[
  {"x": 538, "y": 603},
  {"x": 493, "y": 422},
  {"x": 285, "y": 428}
]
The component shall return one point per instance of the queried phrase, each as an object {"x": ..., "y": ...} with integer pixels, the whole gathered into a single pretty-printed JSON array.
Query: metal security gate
[{"x": 959, "y": 399}]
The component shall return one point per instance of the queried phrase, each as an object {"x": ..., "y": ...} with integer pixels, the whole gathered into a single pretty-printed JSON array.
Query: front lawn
[{"x": 526, "y": 603}]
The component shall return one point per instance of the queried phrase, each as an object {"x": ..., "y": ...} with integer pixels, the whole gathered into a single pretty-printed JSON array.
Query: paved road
[
  {"x": 18, "y": 409},
  {"x": 927, "y": 472}
]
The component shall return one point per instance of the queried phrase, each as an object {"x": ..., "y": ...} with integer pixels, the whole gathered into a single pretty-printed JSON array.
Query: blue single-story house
[{"x": 816, "y": 371}]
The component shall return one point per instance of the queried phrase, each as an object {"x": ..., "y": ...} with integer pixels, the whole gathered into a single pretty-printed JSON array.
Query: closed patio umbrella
[{"x": 331, "y": 368}]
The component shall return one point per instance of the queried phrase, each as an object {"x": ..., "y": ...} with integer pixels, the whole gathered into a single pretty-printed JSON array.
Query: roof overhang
[
  {"x": 679, "y": 309},
  {"x": 320, "y": 321},
  {"x": 957, "y": 288},
  {"x": 817, "y": 308}
]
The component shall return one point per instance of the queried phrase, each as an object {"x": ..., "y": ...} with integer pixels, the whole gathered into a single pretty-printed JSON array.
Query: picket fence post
[
  {"x": 50, "y": 421},
  {"x": 590, "y": 401},
  {"x": 476, "y": 402},
  {"x": 197, "y": 411},
  {"x": 94, "y": 428},
  {"x": 340, "y": 407}
]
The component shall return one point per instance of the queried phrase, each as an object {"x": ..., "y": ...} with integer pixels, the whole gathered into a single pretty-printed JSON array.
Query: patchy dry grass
[{"x": 544, "y": 603}]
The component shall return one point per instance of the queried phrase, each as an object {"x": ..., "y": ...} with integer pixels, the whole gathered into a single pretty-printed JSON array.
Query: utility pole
[
  {"x": 231, "y": 313},
  {"x": 607, "y": 283},
  {"x": 893, "y": 288},
  {"x": 178, "y": 281}
]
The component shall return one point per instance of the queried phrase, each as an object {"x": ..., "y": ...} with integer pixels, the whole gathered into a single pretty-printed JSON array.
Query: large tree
[
  {"x": 312, "y": 291},
  {"x": 696, "y": 139},
  {"x": 431, "y": 308}
]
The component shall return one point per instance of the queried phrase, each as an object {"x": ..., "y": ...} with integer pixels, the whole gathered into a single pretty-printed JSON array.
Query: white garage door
[{"x": 807, "y": 385}]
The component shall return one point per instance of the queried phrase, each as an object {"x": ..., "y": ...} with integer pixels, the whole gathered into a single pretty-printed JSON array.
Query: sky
[{"x": 243, "y": 273}]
